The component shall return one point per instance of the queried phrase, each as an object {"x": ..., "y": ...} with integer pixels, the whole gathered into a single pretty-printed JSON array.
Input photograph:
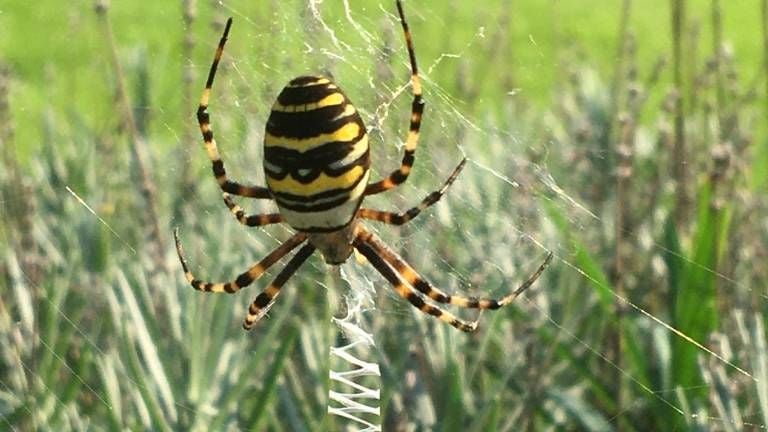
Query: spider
[{"x": 316, "y": 161}]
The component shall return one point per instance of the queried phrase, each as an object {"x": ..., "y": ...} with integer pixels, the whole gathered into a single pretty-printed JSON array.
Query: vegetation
[{"x": 629, "y": 140}]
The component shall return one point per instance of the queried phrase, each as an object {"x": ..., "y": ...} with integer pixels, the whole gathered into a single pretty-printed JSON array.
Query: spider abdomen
[{"x": 316, "y": 156}]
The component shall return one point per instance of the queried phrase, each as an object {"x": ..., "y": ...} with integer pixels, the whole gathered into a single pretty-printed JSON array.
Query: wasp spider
[{"x": 317, "y": 166}]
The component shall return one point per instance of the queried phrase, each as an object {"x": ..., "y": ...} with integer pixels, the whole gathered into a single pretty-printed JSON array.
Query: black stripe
[
  {"x": 389, "y": 274},
  {"x": 202, "y": 115},
  {"x": 261, "y": 301},
  {"x": 316, "y": 158},
  {"x": 417, "y": 105},
  {"x": 292, "y": 162},
  {"x": 311, "y": 206},
  {"x": 474, "y": 302},
  {"x": 313, "y": 173},
  {"x": 219, "y": 51},
  {"x": 376, "y": 261},
  {"x": 291, "y": 125},
  {"x": 308, "y": 208},
  {"x": 218, "y": 168},
  {"x": 433, "y": 310},
  {"x": 307, "y": 79},
  {"x": 415, "y": 299},
  {"x": 409, "y": 157},
  {"x": 283, "y": 123},
  {"x": 364, "y": 161},
  {"x": 296, "y": 202},
  {"x": 294, "y": 264},
  {"x": 462, "y": 326},
  {"x": 398, "y": 177},
  {"x": 305, "y": 95},
  {"x": 424, "y": 287},
  {"x": 244, "y": 280},
  {"x": 417, "y": 108}
]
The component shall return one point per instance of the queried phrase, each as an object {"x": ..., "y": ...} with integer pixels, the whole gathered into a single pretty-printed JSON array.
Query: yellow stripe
[
  {"x": 416, "y": 84},
  {"x": 348, "y": 111},
  {"x": 412, "y": 141},
  {"x": 205, "y": 97},
  {"x": 323, "y": 183},
  {"x": 346, "y": 133},
  {"x": 272, "y": 291},
  {"x": 333, "y": 99},
  {"x": 354, "y": 153}
]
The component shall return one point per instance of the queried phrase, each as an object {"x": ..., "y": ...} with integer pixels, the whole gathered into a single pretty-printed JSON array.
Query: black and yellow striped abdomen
[{"x": 316, "y": 156}]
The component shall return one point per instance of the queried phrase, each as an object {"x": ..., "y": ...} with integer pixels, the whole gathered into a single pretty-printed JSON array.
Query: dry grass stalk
[
  {"x": 717, "y": 41},
  {"x": 16, "y": 194},
  {"x": 619, "y": 71},
  {"x": 7, "y": 132},
  {"x": 187, "y": 182},
  {"x": 679, "y": 150},
  {"x": 138, "y": 147},
  {"x": 765, "y": 52}
]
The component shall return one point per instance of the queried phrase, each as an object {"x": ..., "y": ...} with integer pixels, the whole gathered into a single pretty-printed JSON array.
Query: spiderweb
[{"x": 514, "y": 202}]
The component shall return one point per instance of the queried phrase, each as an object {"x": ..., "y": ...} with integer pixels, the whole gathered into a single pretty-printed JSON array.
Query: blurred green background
[{"x": 629, "y": 138}]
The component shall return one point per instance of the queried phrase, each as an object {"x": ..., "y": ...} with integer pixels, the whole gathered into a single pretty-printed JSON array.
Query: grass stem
[
  {"x": 138, "y": 142},
  {"x": 679, "y": 164}
]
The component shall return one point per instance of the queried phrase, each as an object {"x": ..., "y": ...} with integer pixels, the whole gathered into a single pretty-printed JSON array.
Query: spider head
[{"x": 335, "y": 246}]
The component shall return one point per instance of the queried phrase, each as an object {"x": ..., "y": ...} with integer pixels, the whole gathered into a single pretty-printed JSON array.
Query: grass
[{"x": 652, "y": 316}]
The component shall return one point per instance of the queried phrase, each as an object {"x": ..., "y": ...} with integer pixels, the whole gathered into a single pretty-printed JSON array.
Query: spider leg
[
  {"x": 401, "y": 218},
  {"x": 250, "y": 220},
  {"x": 417, "y": 109},
  {"x": 203, "y": 119},
  {"x": 413, "y": 279},
  {"x": 246, "y": 278},
  {"x": 266, "y": 298},
  {"x": 363, "y": 244}
]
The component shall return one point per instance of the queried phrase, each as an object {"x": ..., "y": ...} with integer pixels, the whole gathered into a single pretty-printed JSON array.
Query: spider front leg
[
  {"x": 203, "y": 119},
  {"x": 250, "y": 220},
  {"x": 400, "y": 175},
  {"x": 244, "y": 279},
  {"x": 401, "y": 218}
]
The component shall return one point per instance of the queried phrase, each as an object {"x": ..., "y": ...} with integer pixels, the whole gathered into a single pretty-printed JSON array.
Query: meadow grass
[{"x": 642, "y": 166}]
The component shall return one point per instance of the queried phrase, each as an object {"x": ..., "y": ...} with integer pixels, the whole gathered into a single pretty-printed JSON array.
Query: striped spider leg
[
  {"x": 412, "y": 287},
  {"x": 386, "y": 261},
  {"x": 253, "y": 220},
  {"x": 204, "y": 120},
  {"x": 266, "y": 298},
  {"x": 400, "y": 175},
  {"x": 408, "y": 284},
  {"x": 401, "y": 218}
]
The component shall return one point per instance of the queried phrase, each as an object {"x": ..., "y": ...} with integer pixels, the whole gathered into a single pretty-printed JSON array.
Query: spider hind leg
[
  {"x": 402, "y": 276},
  {"x": 414, "y": 298},
  {"x": 264, "y": 301},
  {"x": 244, "y": 279}
]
